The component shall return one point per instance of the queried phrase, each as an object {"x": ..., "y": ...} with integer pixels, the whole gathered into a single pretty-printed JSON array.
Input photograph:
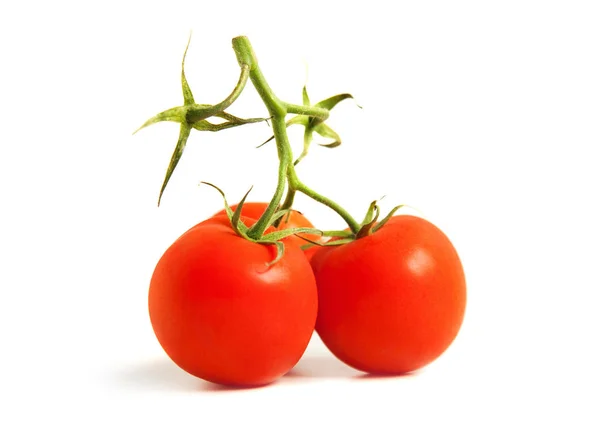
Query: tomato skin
[
  {"x": 391, "y": 302},
  {"x": 295, "y": 219},
  {"x": 222, "y": 315}
]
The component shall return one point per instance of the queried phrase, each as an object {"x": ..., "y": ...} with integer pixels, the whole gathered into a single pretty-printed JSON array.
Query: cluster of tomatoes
[
  {"x": 387, "y": 303},
  {"x": 236, "y": 298}
]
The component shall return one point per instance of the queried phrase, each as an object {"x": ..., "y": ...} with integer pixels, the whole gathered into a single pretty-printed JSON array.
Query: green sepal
[
  {"x": 298, "y": 119},
  {"x": 307, "y": 141},
  {"x": 184, "y": 133},
  {"x": 367, "y": 227},
  {"x": 325, "y": 131},
  {"x": 310, "y": 242},
  {"x": 239, "y": 121},
  {"x": 313, "y": 124},
  {"x": 240, "y": 228},
  {"x": 228, "y": 209},
  {"x": 387, "y": 218},
  {"x": 280, "y": 234},
  {"x": 233, "y": 122},
  {"x": 265, "y": 142},
  {"x": 188, "y": 97},
  {"x": 345, "y": 237},
  {"x": 176, "y": 114},
  {"x": 305, "y": 98},
  {"x": 237, "y": 224},
  {"x": 280, "y": 250},
  {"x": 330, "y": 103},
  {"x": 340, "y": 241},
  {"x": 198, "y": 112},
  {"x": 370, "y": 213}
]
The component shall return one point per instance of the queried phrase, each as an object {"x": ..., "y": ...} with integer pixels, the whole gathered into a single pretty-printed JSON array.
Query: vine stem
[{"x": 286, "y": 174}]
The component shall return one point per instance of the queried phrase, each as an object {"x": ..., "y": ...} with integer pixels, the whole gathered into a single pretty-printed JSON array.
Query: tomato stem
[
  {"x": 257, "y": 230},
  {"x": 312, "y": 111},
  {"x": 289, "y": 198},
  {"x": 287, "y": 173}
]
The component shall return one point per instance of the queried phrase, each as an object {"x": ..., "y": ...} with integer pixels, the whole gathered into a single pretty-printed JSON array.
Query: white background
[{"x": 484, "y": 115}]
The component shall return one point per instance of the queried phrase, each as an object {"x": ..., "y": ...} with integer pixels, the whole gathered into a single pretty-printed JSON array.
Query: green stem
[
  {"x": 295, "y": 185},
  {"x": 244, "y": 74},
  {"x": 313, "y": 111},
  {"x": 301, "y": 187},
  {"x": 278, "y": 110},
  {"x": 289, "y": 197},
  {"x": 285, "y": 159},
  {"x": 278, "y": 113},
  {"x": 288, "y": 201}
]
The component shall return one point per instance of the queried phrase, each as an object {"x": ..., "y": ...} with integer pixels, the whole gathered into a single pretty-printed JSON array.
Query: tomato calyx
[
  {"x": 192, "y": 115},
  {"x": 314, "y": 124},
  {"x": 371, "y": 223},
  {"x": 370, "y": 220},
  {"x": 368, "y": 226},
  {"x": 271, "y": 237}
]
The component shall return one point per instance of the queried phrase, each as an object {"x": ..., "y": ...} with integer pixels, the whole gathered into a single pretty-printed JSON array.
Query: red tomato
[
  {"x": 294, "y": 219},
  {"x": 223, "y": 315},
  {"x": 391, "y": 302}
]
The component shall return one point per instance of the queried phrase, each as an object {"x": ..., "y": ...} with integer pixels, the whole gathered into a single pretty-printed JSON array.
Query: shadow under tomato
[
  {"x": 212, "y": 387},
  {"x": 164, "y": 375},
  {"x": 321, "y": 366},
  {"x": 156, "y": 375},
  {"x": 382, "y": 376},
  {"x": 328, "y": 366}
]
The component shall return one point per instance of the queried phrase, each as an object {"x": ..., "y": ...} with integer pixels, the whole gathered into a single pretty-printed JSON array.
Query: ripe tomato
[
  {"x": 222, "y": 314},
  {"x": 391, "y": 302},
  {"x": 294, "y": 219}
]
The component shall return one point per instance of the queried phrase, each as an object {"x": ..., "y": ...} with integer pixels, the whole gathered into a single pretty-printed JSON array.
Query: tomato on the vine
[
  {"x": 222, "y": 313},
  {"x": 292, "y": 220},
  {"x": 393, "y": 301}
]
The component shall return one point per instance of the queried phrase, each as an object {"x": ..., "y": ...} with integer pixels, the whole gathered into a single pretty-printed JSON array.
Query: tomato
[
  {"x": 393, "y": 301},
  {"x": 294, "y": 219},
  {"x": 222, "y": 314}
]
